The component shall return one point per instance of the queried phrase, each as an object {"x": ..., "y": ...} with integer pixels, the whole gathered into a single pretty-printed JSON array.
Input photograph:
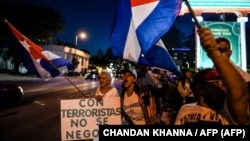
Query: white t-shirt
[
  {"x": 193, "y": 112},
  {"x": 133, "y": 109},
  {"x": 111, "y": 93}
]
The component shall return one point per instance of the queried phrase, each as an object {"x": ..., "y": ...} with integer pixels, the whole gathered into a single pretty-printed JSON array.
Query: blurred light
[{"x": 181, "y": 49}]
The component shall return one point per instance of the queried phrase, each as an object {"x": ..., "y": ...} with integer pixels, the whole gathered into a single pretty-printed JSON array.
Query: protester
[
  {"x": 222, "y": 93},
  {"x": 146, "y": 76},
  {"x": 162, "y": 86},
  {"x": 105, "y": 89},
  {"x": 149, "y": 81},
  {"x": 137, "y": 106},
  {"x": 224, "y": 46},
  {"x": 183, "y": 86}
]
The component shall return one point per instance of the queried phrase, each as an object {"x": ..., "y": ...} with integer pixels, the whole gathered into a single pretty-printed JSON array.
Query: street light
[{"x": 82, "y": 35}]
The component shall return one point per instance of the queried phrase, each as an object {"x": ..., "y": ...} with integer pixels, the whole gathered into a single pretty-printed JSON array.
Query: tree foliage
[{"x": 36, "y": 22}]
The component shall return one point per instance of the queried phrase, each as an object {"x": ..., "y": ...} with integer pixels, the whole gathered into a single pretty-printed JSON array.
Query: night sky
[{"x": 94, "y": 17}]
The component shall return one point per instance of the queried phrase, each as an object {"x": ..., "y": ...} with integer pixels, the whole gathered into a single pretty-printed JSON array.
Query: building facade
[{"x": 69, "y": 53}]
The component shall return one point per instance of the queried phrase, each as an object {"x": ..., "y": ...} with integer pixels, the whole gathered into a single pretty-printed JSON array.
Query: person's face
[
  {"x": 224, "y": 47},
  {"x": 104, "y": 80},
  {"x": 188, "y": 74},
  {"x": 128, "y": 79}
]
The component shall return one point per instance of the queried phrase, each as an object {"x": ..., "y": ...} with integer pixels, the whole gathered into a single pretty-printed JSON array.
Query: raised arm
[{"x": 237, "y": 91}]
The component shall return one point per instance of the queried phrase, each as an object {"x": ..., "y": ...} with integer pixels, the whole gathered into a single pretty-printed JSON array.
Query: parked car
[
  {"x": 92, "y": 76},
  {"x": 10, "y": 94}
]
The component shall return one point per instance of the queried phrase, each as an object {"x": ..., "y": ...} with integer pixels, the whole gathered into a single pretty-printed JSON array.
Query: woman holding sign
[{"x": 105, "y": 89}]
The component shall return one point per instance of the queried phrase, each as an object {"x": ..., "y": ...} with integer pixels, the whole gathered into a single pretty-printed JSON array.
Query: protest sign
[{"x": 80, "y": 117}]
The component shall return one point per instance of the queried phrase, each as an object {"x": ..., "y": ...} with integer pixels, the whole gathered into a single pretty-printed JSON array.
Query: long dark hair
[{"x": 183, "y": 77}]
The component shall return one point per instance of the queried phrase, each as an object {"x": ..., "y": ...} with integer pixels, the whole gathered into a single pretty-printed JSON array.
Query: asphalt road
[{"x": 37, "y": 117}]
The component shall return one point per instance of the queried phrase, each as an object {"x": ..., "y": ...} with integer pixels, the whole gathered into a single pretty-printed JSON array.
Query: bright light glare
[{"x": 83, "y": 35}]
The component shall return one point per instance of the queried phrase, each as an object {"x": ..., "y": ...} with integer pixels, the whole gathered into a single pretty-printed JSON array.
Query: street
[{"x": 37, "y": 117}]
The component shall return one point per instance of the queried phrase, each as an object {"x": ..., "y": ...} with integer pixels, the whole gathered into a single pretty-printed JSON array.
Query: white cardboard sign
[{"x": 80, "y": 117}]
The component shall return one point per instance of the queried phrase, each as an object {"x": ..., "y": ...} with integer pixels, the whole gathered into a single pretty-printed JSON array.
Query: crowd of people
[{"x": 217, "y": 95}]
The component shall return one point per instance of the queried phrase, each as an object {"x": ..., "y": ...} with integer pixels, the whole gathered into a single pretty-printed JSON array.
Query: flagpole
[
  {"x": 69, "y": 80},
  {"x": 192, "y": 14}
]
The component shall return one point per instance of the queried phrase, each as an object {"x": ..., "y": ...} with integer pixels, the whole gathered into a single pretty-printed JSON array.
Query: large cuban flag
[
  {"x": 37, "y": 61},
  {"x": 138, "y": 28}
]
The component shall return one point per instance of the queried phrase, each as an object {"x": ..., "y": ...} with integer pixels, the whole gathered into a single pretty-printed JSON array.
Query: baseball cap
[
  {"x": 208, "y": 74},
  {"x": 203, "y": 75},
  {"x": 130, "y": 70}
]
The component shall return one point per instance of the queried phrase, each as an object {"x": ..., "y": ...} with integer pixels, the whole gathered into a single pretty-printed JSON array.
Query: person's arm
[
  {"x": 97, "y": 96},
  {"x": 182, "y": 91},
  {"x": 237, "y": 91}
]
